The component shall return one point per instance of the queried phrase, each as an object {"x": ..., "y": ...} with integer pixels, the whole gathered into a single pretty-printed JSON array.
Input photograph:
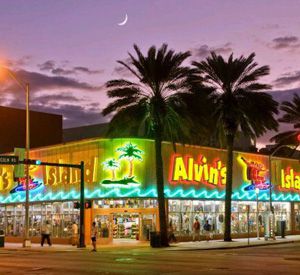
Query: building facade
[
  {"x": 13, "y": 129},
  {"x": 120, "y": 182}
]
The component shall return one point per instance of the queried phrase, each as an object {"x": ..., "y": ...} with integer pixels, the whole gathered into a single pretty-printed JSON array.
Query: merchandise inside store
[
  {"x": 60, "y": 216},
  {"x": 134, "y": 219},
  {"x": 129, "y": 219},
  {"x": 182, "y": 214},
  {"x": 126, "y": 226}
]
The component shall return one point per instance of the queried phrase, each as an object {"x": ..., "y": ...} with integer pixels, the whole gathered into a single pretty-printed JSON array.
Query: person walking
[
  {"x": 74, "y": 233},
  {"x": 171, "y": 232},
  {"x": 196, "y": 230},
  {"x": 94, "y": 233},
  {"x": 207, "y": 228},
  {"x": 46, "y": 232}
]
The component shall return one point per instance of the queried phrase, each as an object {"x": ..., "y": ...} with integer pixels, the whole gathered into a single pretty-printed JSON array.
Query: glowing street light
[{"x": 25, "y": 87}]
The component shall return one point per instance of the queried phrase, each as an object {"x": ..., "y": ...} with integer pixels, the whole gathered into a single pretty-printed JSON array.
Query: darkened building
[
  {"x": 45, "y": 129},
  {"x": 84, "y": 132}
]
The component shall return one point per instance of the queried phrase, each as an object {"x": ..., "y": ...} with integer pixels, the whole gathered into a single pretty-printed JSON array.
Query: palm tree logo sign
[
  {"x": 111, "y": 164},
  {"x": 129, "y": 152}
]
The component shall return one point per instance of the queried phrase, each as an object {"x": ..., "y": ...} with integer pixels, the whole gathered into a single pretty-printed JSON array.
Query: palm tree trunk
[
  {"x": 160, "y": 191},
  {"x": 130, "y": 168},
  {"x": 227, "y": 233}
]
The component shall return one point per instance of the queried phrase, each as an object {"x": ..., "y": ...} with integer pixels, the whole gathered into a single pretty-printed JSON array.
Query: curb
[
  {"x": 171, "y": 248},
  {"x": 231, "y": 247}
]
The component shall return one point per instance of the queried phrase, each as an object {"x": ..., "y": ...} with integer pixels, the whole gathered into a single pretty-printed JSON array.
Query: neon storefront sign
[
  {"x": 129, "y": 153},
  {"x": 187, "y": 170},
  {"x": 290, "y": 180},
  {"x": 254, "y": 173},
  {"x": 33, "y": 184}
]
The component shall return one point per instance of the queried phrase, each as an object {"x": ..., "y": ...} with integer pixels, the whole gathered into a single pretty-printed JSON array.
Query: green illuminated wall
[{"x": 124, "y": 168}]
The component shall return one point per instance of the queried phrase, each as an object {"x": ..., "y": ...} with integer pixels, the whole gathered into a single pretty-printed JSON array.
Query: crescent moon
[{"x": 124, "y": 22}]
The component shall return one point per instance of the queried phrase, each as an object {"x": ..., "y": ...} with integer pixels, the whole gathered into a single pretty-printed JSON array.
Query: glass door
[
  {"x": 104, "y": 225},
  {"x": 147, "y": 225}
]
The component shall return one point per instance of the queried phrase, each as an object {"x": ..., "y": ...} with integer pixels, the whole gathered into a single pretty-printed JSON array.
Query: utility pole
[{"x": 82, "y": 201}]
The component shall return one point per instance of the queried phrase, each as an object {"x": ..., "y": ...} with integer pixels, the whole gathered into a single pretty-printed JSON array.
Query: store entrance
[{"x": 126, "y": 226}]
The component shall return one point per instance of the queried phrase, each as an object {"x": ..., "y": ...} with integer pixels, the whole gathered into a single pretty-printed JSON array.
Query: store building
[
  {"x": 120, "y": 182},
  {"x": 13, "y": 129}
]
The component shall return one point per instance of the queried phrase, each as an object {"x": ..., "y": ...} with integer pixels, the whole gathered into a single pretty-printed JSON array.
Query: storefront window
[
  {"x": 2, "y": 218},
  {"x": 129, "y": 203},
  {"x": 282, "y": 211},
  {"x": 297, "y": 216},
  {"x": 60, "y": 215},
  {"x": 182, "y": 214}
]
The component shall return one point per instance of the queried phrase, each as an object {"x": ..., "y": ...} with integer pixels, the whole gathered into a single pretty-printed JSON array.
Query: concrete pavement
[
  {"x": 145, "y": 246},
  {"x": 236, "y": 243}
]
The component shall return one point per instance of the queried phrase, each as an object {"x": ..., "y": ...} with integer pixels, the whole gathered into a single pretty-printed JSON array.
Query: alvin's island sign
[{"x": 116, "y": 168}]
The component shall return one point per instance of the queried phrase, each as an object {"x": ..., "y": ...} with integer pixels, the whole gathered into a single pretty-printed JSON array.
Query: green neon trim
[{"x": 149, "y": 193}]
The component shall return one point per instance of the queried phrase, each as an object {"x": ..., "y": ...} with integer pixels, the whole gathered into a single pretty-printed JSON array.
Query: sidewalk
[
  {"x": 183, "y": 246},
  {"x": 236, "y": 243}
]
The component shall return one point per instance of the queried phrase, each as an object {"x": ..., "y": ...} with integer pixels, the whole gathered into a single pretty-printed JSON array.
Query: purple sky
[{"x": 67, "y": 50}]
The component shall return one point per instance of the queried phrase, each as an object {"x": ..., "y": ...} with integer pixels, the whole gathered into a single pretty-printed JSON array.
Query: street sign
[
  {"x": 9, "y": 159},
  {"x": 19, "y": 171}
]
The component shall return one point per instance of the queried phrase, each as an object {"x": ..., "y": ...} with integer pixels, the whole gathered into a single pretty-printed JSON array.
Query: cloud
[
  {"x": 50, "y": 66},
  {"x": 284, "y": 95},
  {"x": 73, "y": 115},
  {"x": 87, "y": 70},
  {"x": 75, "y": 111},
  {"x": 42, "y": 82},
  {"x": 54, "y": 94},
  {"x": 279, "y": 96},
  {"x": 287, "y": 79},
  {"x": 47, "y": 66},
  {"x": 285, "y": 42},
  {"x": 52, "y": 99},
  {"x": 270, "y": 26},
  {"x": 204, "y": 50},
  {"x": 17, "y": 63},
  {"x": 120, "y": 70}
]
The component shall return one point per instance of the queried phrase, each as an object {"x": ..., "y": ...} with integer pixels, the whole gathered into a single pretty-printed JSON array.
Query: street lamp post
[
  {"x": 27, "y": 241},
  {"x": 257, "y": 220},
  {"x": 25, "y": 87}
]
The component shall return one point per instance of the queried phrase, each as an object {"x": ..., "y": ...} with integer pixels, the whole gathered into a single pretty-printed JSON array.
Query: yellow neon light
[{"x": 290, "y": 179}]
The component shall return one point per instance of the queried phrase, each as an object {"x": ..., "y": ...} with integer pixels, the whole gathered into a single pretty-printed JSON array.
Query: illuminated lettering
[
  {"x": 6, "y": 180},
  {"x": 67, "y": 175},
  {"x": 187, "y": 170},
  {"x": 180, "y": 170},
  {"x": 290, "y": 179}
]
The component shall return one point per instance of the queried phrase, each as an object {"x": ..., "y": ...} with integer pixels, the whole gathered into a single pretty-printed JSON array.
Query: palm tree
[
  {"x": 149, "y": 103},
  {"x": 130, "y": 152},
  {"x": 200, "y": 103},
  {"x": 239, "y": 105},
  {"x": 291, "y": 116},
  {"x": 111, "y": 164}
]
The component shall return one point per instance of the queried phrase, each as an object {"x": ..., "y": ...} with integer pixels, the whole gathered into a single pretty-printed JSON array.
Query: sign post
[
  {"x": 248, "y": 222},
  {"x": 81, "y": 220}
]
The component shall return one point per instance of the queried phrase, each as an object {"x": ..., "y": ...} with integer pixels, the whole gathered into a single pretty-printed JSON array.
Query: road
[{"x": 278, "y": 259}]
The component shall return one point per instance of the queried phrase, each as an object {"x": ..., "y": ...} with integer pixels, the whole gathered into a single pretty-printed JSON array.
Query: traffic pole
[{"x": 81, "y": 222}]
